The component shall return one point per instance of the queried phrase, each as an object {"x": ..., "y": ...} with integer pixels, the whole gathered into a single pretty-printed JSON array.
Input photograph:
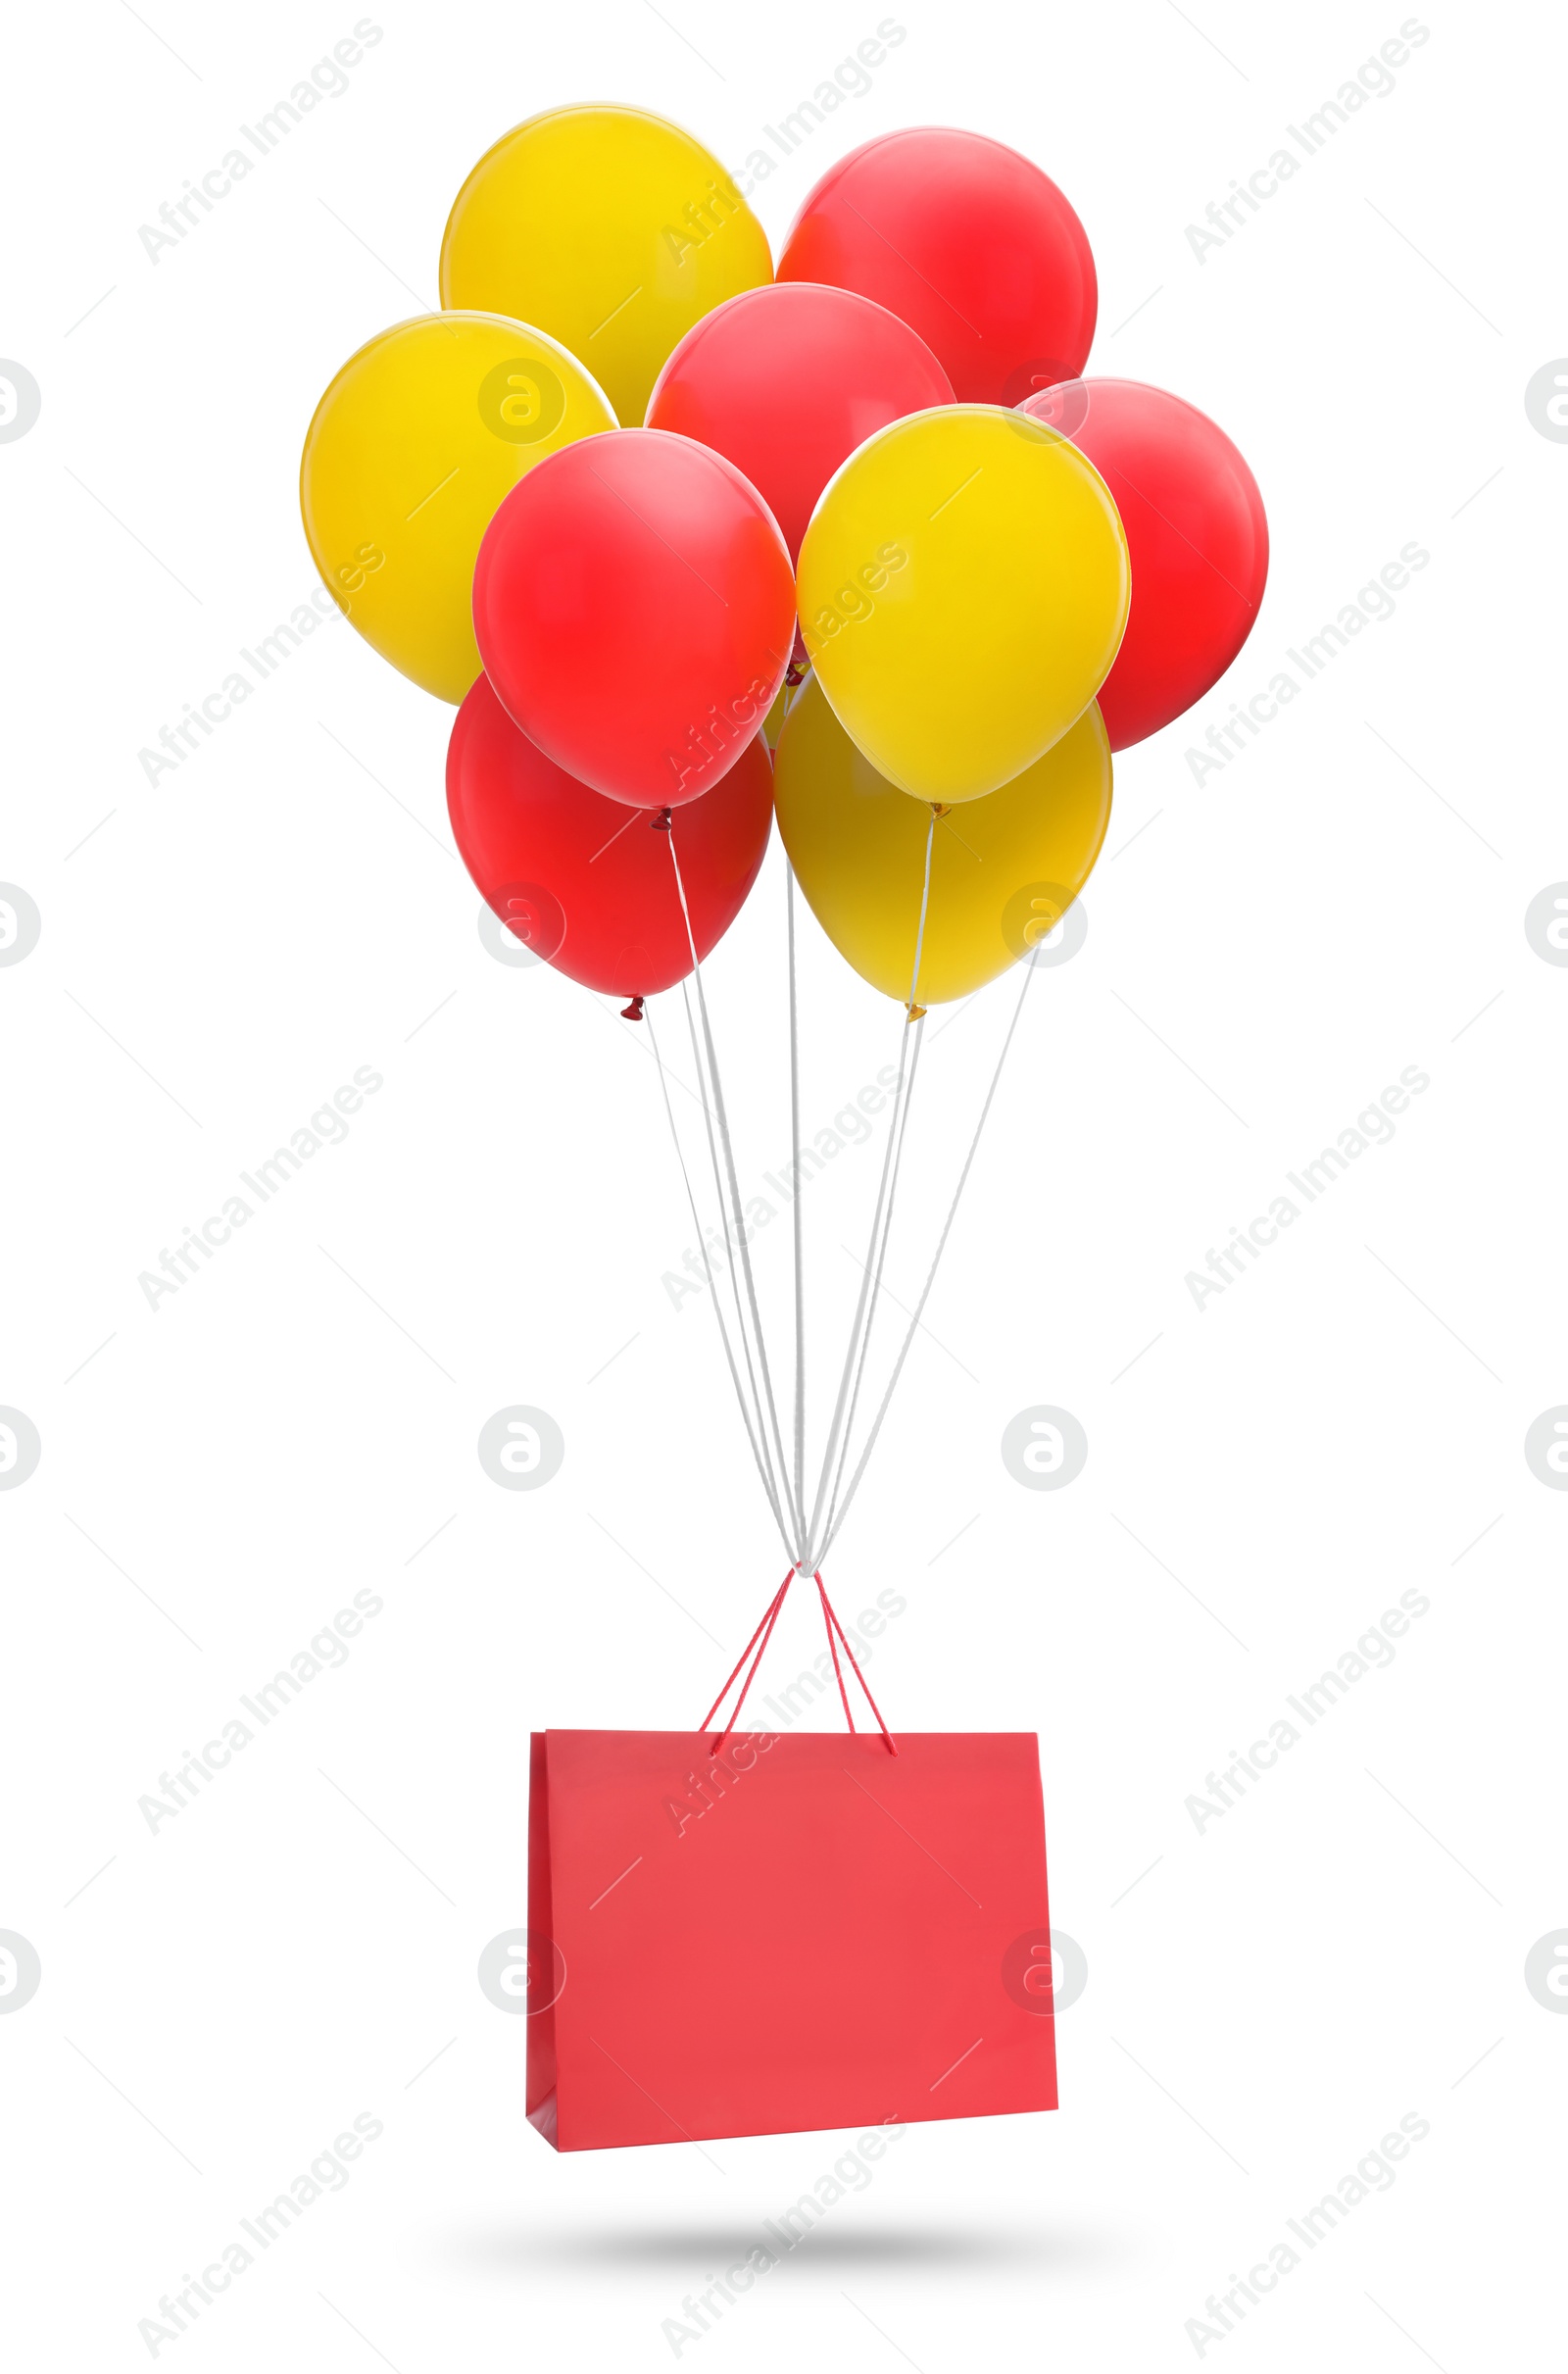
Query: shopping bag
[{"x": 765, "y": 1931}]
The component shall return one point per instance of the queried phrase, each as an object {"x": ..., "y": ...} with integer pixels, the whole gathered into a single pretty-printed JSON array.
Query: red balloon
[
  {"x": 587, "y": 882},
  {"x": 786, "y": 380},
  {"x": 634, "y": 607},
  {"x": 1196, "y": 539},
  {"x": 967, "y": 242}
]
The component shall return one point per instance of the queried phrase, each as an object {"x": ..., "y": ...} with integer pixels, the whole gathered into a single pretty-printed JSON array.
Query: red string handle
[
  {"x": 832, "y": 1647},
  {"x": 832, "y": 1616},
  {"x": 765, "y": 1630},
  {"x": 758, "y": 1641}
]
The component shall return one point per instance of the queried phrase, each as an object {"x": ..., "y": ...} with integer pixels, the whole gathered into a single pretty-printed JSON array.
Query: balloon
[
  {"x": 586, "y": 882},
  {"x": 963, "y": 591},
  {"x": 1196, "y": 539},
  {"x": 967, "y": 242},
  {"x": 610, "y": 229},
  {"x": 1003, "y": 871},
  {"x": 409, "y": 453},
  {"x": 787, "y": 380},
  {"x": 634, "y": 607}
]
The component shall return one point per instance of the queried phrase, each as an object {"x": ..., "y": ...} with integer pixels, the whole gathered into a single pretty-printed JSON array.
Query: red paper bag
[{"x": 803, "y": 1929}]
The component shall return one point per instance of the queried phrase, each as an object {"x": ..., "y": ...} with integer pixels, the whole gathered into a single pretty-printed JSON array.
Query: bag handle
[{"x": 765, "y": 1633}]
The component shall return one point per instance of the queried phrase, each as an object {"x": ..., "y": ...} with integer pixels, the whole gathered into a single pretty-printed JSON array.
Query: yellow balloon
[
  {"x": 963, "y": 587},
  {"x": 1003, "y": 871},
  {"x": 613, "y": 229},
  {"x": 418, "y": 440}
]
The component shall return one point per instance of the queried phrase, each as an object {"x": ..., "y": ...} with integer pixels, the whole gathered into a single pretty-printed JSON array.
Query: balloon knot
[
  {"x": 941, "y": 808},
  {"x": 661, "y": 823},
  {"x": 916, "y": 1014},
  {"x": 632, "y": 1012},
  {"x": 795, "y": 674}
]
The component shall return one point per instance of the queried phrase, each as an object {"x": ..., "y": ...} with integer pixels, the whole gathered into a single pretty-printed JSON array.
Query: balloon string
[
  {"x": 836, "y": 1429},
  {"x": 770, "y": 1481},
  {"x": 875, "y": 1294},
  {"x": 898, "y": 1367},
  {"x": 891, "y": 1158},
  {"x": 712, "y": 1288},
  {"x": 720, "y": 1115},
  {"x": 794, "y": 1200},
  {"x": 893, "y": 1188},
  {"x": 925, "y": 902}
]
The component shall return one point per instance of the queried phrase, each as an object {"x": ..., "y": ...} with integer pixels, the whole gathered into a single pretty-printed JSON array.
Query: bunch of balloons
[{"x": 631, "y": 479}]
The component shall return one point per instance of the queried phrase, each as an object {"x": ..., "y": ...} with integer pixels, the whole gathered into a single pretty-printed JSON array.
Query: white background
[{"x": 1265, "y": 1999}]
